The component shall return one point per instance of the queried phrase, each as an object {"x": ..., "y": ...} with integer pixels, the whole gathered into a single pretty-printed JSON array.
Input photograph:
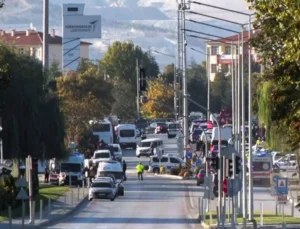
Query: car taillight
[{"x": 200, "y": 175}]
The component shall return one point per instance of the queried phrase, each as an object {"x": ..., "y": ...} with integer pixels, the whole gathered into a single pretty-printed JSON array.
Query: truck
[
  {"x": 262, "y": 167},
  {"x": 70, "y": 170}
]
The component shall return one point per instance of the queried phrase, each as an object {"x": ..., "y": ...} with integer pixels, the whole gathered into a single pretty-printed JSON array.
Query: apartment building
[
  {"x": 222, "y": 53},
  {"x": 30, "y": 42}
]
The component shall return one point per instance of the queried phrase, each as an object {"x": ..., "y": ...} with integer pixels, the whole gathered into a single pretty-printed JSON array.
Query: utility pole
[
  {"x": 1, "y": 142},
  {"x": 46, "y": 34},
  {"x": 179, "y": 52},
  {"x": 137, "y": 89},
  {"x": 184, "y": 80},
  {"x": 208, "y": 81},
  {"x": 175, "y": 94}
]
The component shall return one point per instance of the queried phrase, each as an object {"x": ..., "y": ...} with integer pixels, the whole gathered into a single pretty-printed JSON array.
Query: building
[
  {"x": 30, "y": 42},
  {"x": 222, "y": 53}
]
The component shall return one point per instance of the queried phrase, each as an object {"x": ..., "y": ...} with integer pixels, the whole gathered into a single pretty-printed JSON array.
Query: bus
[{"x": 103, "y": 130}]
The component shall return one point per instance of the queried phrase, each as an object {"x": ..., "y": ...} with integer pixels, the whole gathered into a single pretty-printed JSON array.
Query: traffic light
[
  {"x": 238, "y": 164},
  {"x": 143, "y": 83},
  {"x": 230, "y": 167}
]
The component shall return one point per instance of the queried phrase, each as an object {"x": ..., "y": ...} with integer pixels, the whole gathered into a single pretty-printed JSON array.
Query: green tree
[
  {"x": 119, "y": 62},
  {"x": 84, "y": 97},
  {"x": 279, "y": 91},
  {"x": 168, "y": 74},
  {"x": 27, "y": 128}
]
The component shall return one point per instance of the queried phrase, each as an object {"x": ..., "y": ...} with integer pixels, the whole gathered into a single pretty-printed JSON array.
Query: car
[
  {"x": 150, "y": 147},
  {"x": 117, "y": 151},
  {"x": 103, "y": 189},
  {"x": 161, "y": 128},
  {"x": 169, "y": 161},
  {"x": 173, "y": 129},
  {"x": 119, "y": 185},
  {"x": 195, "y": 135}
]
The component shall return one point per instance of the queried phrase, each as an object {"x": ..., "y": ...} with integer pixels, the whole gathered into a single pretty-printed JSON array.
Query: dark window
[
  {"x": 101, "y": 185},
  {"x": 227, "y": 50},
  {"x": 174, "y": 126},
  {"x": 100, "y": 127},
  {"x": 70, "y": 167},
  {"x": 116, "y": 175},
  {"x": 155, "y": 159},
  {"x": 214, "y": 50},
  {"x": 116, "y": 149},
  {"x": 173, "y": 160},
  {"x": 102, "y": 155},
  {"x": 261, "y": 166},
  {"x": 154, "y": 144},
  {"x": 72, "y": 9},
  {"x": 145, "y": 144},
  {"x": 197, "y": 132},
  {"x": 127, "y": 133},
  {"x": 164, "y": 159}
]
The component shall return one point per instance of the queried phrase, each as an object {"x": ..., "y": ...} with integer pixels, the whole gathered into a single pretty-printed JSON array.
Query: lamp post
[{"x": 174, "y": 81}]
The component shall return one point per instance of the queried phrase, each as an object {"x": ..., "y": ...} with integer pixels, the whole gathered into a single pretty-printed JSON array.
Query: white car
[
  {"x": 150, "y": 146},
  {"x": 169, "y": 161},
  {"x": 101, "y": 155},
  {"x": 117, "y": 151},
  {"x": 119, "y": 185},
  {"x": 103, "y": 189}
]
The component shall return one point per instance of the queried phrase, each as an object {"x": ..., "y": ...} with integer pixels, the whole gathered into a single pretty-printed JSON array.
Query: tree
[
  {"x": 160, "y": 101},
  {"x": 278, "y": 44},
  {"x": 168, "y": 74},
  {"x": 119, "y": 62},
  {"x": 84, "y": 97},
  {"x": 27, "y": 128},
  {"x": 125, "y": 96}
]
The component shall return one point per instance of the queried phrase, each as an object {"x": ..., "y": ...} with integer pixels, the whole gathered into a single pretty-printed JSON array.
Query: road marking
[{"x": 191, "y": 199}]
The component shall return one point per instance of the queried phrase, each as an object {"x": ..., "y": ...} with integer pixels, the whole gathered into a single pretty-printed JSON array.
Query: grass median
[
  {"x": 268, "y": 218},
  {"x": 45, "y": 192}
]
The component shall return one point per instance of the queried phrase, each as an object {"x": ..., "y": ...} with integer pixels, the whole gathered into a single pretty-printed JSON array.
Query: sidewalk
[{"x": 57, "y": 210}]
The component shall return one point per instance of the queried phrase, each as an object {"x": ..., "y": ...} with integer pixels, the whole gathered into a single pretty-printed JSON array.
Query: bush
[
  {"x": 8, "y": 191},
  {"x": 175, "y": 171}
]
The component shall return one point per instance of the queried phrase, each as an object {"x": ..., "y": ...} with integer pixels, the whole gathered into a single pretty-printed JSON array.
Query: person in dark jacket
[
  {"x": 102, "y": 144},
  {"x": 47, "y": 173},
  {"x": 124, "y": 170}
]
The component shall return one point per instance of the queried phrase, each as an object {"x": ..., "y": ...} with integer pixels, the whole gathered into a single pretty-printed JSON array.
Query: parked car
[{"x": 173, "y": 129}]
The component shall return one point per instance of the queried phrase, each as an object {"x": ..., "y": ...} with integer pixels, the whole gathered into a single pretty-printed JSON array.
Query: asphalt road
[{"x": 156, "y": 202}]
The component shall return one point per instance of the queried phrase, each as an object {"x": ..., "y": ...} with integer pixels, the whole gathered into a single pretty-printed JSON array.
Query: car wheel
[
  {"x": 90, "y": 199},
  {"x": 112, "y": 199},
  {"x": 156, "y": 170}
]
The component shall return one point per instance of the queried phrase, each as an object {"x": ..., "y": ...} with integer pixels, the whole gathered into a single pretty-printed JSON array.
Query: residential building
[
  {"x": 30, "y": 42},
  {"x": 222, "y": 53}
]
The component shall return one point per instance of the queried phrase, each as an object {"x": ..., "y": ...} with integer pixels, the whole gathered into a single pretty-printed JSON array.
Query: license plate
[{"x": 100, "y": 194}]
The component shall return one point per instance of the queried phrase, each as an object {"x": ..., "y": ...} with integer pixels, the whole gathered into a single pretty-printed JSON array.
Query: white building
[{"x": 30, "y": 42}]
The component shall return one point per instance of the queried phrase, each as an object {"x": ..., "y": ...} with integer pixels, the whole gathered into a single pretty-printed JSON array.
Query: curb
[
  {"x": 60, "y": 217},
  {"x": 169, "y": 176}
]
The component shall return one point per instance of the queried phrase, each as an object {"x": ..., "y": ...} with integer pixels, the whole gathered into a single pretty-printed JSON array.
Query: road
[{"x": 156, "y": 202}]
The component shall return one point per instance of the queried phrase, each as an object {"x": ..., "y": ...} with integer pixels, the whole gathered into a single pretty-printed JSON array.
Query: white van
[
  {"x": 126, "y": 135},
  {"x": 101, "y": 155},
  {"x": 110, "y": 168},
  {"x": 149, "y": 147},
  {"x": 103, "y": 129}
]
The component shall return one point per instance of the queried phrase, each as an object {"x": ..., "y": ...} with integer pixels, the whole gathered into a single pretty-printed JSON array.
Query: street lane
[{"x": 156, "y": 202}]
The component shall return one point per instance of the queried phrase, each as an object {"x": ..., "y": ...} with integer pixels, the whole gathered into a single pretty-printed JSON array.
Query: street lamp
[
  {"x": 243, "y": 111},
  {"x": 174, "y": 80}
]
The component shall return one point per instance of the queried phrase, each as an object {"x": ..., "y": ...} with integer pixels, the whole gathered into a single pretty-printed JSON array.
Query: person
[
  {"x": 140, "y": 171},
  {"x": 124, "y": 170},
  {"x": 92, "y": 173},
  {"x": 102, "y": 144},
  {"x": 47, "y": 172}
]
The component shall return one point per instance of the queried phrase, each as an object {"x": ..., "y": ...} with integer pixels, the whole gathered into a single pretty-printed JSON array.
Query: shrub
[
  {"x": 8, "y": 191},
  {"x": 175, "y": 171}
]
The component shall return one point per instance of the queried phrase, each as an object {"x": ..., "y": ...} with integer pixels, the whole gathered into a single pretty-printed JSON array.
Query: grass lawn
[
  {"x": 46, "y": 191},
  {"x": 269, "y": 218}
]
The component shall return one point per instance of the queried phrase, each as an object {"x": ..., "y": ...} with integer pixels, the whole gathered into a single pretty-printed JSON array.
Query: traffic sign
[
  {"x": 198, "y": 162},
  {"x": 21, "y": 182},
  {"x": 282, "y": 186},
  {"x": 275, "y": 178},
  {"x": 282, "y": 198},
  {"x": 189, "y": 155},
  {"x": 22, "y": 195},
  {"x": 234, "y": 186}
]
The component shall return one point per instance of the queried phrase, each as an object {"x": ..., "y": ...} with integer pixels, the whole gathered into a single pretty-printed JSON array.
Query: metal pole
[
  {"x": 137, "y": 89},
  {"x": 250, "y": 126},
  {"x": 233, "y": 219},
  {"x": 1, "y": 142},
  {"x": 232, "y": 91},
  {"x": 175, "y": 94},
  {"x": 243, "y": 139},
  {"x": 31, "y": 210},
  {"x": 208, "y": 81},
  {"x": 46, "y": 34},
  {"x": 184, "y": 83}
]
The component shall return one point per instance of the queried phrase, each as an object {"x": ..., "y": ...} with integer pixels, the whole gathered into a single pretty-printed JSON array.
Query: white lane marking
[
  {"x": 101, "y": 227},
  {"x": 191, "y": 200}
]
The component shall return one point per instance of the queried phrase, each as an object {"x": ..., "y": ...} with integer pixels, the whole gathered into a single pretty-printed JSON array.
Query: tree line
[{"x": 44, "y": 110}]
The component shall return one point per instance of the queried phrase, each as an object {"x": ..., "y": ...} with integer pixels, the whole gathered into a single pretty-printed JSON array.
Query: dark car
[{"x": 162, "y": 128}]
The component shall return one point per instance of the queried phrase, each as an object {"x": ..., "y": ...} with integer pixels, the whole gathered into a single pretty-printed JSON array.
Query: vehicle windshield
[
  {"x": 116, "y": 175},
  {"x": 127, "y": 133},
  {"x": 70, "y": 167},
  {"x": 261, "y": 166},
  {"x": 174, "y": 126},
  {"x": 197, "y": 132},
  {"x": 116, "y": 149},
  {"x": 101, "y": 127},
  {"x": 102, "y": 155},
  {"x": 145, "y": 144},
  {"x": 101, "y": 185}
]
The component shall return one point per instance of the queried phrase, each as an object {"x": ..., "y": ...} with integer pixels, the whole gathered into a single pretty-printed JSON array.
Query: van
[
  {"x": 150, "y": 147},
  {"x": 103, "y": 130},
  {"x": 126, "y": 135},
  {"x": 110, "y": 168}
]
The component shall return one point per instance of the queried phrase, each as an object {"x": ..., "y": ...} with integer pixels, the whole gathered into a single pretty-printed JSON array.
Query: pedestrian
[
  {"x": 124, "y": 170},
  {"x": 47, "y": 172},
  {"x": 140, "y": 171},
  {"x": 102, "y": 144}
]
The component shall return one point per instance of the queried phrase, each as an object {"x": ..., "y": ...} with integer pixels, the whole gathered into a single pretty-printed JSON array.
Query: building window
[
  {"x": 227, "y": 50},
  {"x": 213, "y": 68},
  {"x": 21, "y": 51},
  {"x": 214, "y": 50}
]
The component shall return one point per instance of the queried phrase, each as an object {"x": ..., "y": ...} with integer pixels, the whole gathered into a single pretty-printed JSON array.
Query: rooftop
[
  {"x": 30, "y": 37},
  {"x": 233, "y": 38}
]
